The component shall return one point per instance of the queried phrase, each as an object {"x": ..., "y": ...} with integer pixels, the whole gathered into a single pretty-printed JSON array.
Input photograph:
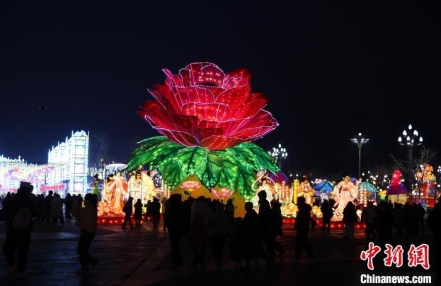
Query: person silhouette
[
  {"x": 18, "y": 240},
  {"x": 87, "y": 221},
  {"x": 138, "y": 213},
  {"x": 128, "y": 210},
  {"x": 302, "y": 225},
  {"x": 327, "y": 213}
]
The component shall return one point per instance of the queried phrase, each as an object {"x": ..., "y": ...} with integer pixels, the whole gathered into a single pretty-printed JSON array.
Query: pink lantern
[
  {"x": 222, "y": 193},
  {"x": 190, "y": 185}
]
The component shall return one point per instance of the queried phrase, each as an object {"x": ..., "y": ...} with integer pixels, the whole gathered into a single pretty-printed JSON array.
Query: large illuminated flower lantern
[{"x": 208, "y": 119}]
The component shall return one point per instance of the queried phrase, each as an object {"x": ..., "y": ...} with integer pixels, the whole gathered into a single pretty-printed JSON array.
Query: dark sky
[{"x": 331, "y": 70}]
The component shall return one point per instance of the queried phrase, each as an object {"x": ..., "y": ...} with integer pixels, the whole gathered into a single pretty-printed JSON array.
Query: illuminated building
[
  {"x": 66, "y": 170},
  {"x": 70, "y": 162}
]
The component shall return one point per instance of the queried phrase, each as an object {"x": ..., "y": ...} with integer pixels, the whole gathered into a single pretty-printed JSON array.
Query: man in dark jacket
[
  {"x": 267, "y": 223},
  {"x": 48, "y": 206},
  {"x": 155, "y": 211},
  {"x": 19, "y": 239},
  {"x": 327, "y": 213},
  {"x": 128, "y": 210},
  {"x": 433, "y": 222},
  {"x": 174, "y": 222},
  {"x": 301, "y": 225}
]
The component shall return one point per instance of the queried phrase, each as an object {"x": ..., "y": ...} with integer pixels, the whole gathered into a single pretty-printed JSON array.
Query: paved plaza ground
[{"x": 142, "y": 257}]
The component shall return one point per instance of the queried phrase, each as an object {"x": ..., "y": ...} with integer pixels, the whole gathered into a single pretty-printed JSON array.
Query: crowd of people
[
  {"x": 50, "y": 208},
  {"x": 202, "y": 220},
  {"x": 387, "y": 217},
  {"x": 23, "y": 209},
  {"x": 208, "y": 225}
]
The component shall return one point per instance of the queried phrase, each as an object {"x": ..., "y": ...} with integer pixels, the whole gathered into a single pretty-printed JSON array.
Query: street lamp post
[
  {"x": 279, "y": 154},
  {"x": 359, "y": 141},
  {"x": 99, "y": 170},
  {"x": 438, "y": 185},
  {"x": 410, "y": 139}
]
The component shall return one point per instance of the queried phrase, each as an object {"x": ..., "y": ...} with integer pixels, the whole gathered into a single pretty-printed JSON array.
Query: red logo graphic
[{"x": 416, "y": 255}]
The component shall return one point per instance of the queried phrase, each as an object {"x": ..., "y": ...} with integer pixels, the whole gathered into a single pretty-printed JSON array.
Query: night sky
[{"x": 331, "y": 70}]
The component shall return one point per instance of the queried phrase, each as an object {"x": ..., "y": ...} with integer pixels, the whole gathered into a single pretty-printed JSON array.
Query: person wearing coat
[
  {"x": 128, "y": 210},
  {"x": 57, "y": 209},
  {"x": 16, "y": 245},
  {"x": 198, "y": 233},
  {"x": 349, "y": 218},
  {"x": 219, "y": 226},
  {"x": 86, "y": 219},
  {"x": 174, "y": 223}
]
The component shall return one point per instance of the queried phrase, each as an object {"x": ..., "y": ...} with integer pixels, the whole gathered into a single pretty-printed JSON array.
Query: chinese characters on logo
[{"x": 416, "y": 255}]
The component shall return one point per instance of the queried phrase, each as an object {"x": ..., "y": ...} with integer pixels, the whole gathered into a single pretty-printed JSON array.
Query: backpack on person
[{"x": 22, "y": 219}]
